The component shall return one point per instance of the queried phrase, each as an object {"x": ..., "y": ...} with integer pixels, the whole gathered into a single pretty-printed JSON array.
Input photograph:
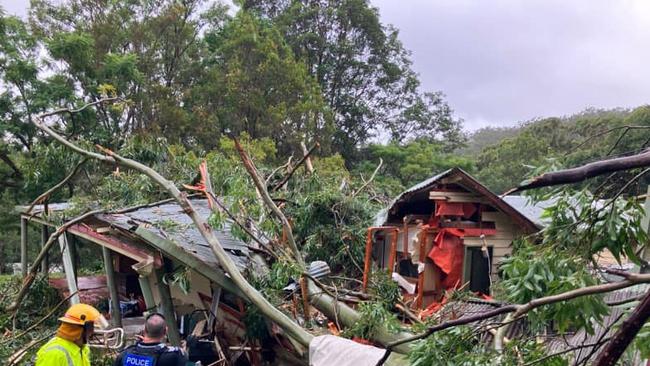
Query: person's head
[
  {"x": 79, "y": 322},
  {"x": 155, "y": 328}
]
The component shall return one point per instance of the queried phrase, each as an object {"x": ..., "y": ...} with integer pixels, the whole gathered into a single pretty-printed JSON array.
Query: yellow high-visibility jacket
[{"x": 61, "y": 352}]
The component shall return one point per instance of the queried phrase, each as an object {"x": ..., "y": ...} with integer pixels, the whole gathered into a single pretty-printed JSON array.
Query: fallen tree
[{"x": 111, "y": 158}]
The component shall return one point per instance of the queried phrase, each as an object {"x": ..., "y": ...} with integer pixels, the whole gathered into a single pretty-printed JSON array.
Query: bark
[
  {"x": 625, "y": 334},
  {"x": 581, "y": 173},
  {"x": 308, "y": 164}
]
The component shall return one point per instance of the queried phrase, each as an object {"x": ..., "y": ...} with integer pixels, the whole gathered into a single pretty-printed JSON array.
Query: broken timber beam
[
  {"x": 116, "y": 316},
  {"x": 167, "y": 306},
  {"x": 145, "y": 286},
  {"x": 68, "y": 268}
]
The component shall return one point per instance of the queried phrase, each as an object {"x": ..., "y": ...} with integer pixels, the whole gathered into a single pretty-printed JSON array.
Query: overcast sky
[{"x": 505, "y": 61}]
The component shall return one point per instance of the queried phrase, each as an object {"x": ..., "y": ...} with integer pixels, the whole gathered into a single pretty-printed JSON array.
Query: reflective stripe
[{"x": 65, "y": 352}]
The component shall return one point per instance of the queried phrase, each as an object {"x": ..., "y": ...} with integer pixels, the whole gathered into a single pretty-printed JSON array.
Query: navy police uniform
[{"x": 151, "y": 354}]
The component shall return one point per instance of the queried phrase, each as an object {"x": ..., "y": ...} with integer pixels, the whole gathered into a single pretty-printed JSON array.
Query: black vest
[{"x": 139, "y": 355}]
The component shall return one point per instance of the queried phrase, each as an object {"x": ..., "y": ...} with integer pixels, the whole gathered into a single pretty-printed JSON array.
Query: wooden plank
[
  {"x": 116, "y": 316},
  {"x": 68, "y": 267},
  {"x": 493, "y": 216},
  {"x": 501, "y": 251}
]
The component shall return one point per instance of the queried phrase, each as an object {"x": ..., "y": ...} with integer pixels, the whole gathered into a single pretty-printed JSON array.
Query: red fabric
[
  {"x": 469, "y": 209},
  {"x": 448, "y": 253},
  {"x": 444, "y": 208}
]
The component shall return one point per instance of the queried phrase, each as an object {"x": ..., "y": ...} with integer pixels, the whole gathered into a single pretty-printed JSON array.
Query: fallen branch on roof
[
  {"x": 581, "y": 173},
  {"x": 110, "y": 157},
  {"x": 519, "y": 310},
  {"x": 285, "y": 179}
]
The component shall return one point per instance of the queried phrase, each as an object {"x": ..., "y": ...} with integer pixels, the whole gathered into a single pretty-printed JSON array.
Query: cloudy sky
[{"x": 504, "y": 61}]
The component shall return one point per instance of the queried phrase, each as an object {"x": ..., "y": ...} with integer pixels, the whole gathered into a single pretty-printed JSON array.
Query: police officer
[{"x": 151, "y": 350}]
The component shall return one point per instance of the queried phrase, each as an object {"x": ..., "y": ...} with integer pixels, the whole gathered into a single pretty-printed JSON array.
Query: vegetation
[{"x": 182, "y": 78}]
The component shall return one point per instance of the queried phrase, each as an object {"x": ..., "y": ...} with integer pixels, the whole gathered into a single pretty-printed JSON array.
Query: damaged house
[
  {"x": 446, "y": 232},
  {"x": 148, "y": 252}
]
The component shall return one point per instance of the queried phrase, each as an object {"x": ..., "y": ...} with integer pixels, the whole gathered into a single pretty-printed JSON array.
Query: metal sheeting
[
  {"x": 532, "y": 211},
  {"x": 471, "y": 307},
  {"x": 170, "y": 222}
]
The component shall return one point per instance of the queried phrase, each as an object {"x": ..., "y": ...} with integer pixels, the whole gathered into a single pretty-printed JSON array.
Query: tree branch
[
  {"x": 285, "y": 179},
  {"x": 626, "y": 128},
  {"x": 266, "y": 197},
  {"x": 519, "y": 310},
  {"x": 41, "y": 320},
  {"x": 625, "y": 334},
  {"x": 381, "y": 162},
  {"x": 4, "y": 156},
  {"x": 46, "y": 195},
  {"x": 225, "y": 261},
  {"x": 73, "y": 111},
  {"x": 578, "y": 174}
]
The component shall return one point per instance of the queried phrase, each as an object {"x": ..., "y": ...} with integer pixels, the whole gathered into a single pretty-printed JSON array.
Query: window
[{"x": 477, "y": 269}]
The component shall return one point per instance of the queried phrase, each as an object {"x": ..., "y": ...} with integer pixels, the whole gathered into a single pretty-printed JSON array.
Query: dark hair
[{"x": 155, "y": 326}]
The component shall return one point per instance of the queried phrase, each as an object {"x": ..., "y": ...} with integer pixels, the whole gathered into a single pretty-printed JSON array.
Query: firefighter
[
  {"x": 151, "y": 349},
  {"x": 68, "y": 347}
]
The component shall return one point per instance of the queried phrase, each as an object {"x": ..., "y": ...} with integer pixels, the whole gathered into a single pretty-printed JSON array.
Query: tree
[
  {"x": 412, "y": 162},
  {"x": 147, "y": 52},
  {"x": 255, "y": 85},
  {"x": 363, "y": 70}
]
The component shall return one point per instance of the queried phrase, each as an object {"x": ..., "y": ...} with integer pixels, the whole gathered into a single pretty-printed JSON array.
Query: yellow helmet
[{"x": 80, "y": 314}]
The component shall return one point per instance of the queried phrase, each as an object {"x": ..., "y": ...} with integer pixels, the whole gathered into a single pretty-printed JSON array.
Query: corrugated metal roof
[
  {"x": 468, "y": 308},
  {"x": 382, "y": 215},
  {"x": 585, "y": 340},
  {"x": 169, "y": 221},
  {"x": 532, "y": 211},
  {"x": 554, "y": 343}
]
